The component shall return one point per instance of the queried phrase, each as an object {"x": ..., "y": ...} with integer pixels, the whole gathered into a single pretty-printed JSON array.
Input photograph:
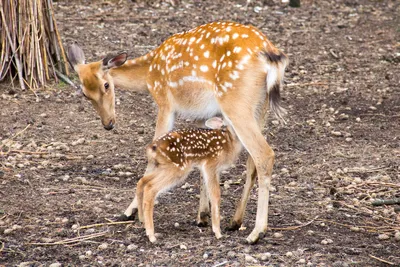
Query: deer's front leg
[{"x": 165, "y": 121}]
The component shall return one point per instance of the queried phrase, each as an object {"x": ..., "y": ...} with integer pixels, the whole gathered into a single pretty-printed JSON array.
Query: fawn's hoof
[
  {"x": 124, "y": 218},
  {"x": 233, "y": 226},
  {"x": 202, "y": 221}
]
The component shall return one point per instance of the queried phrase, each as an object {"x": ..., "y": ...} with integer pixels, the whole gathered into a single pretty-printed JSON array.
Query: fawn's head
[{"x": 96, "y": 83}]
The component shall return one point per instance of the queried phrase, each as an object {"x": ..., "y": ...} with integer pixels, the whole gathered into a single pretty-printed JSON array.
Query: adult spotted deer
[
  {"x": 172, "y": 157},
  {"x": 218, "y": 68}
]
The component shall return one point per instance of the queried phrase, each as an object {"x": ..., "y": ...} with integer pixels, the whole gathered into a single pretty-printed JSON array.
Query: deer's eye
[{"x": 106, "y": 86}]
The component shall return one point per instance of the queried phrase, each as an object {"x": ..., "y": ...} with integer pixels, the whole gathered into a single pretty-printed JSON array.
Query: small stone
[
  {"x": 301, "y": 261},
  {"x": 249, "y": 258},
  {"x": 16, "y": 227},
  {"x": 205, "y": 256},
  {"x": 88, "y": 253},
  {"x": 56, "y": 264},
  {"x": 284, "y": 170},
  {"x": 176, "y": 225},
  {"x": 336, "y": 133},
  {"x": 275, "y": 122},
  {"x": 74, "y": 226},
  {"x": 383, "y": 237},
  {"x": 278, "y": 235},
  {"x": 289, "y": 254},
  {"x": 8, "y": 231},
  {"x": 231, "y": 254},
  {"x": 119, "y": 167},
  {"x": 266, "y": 256},
  {"x": 132, "y": 247},
  {"x": 90, "y": 157},
  {"x": 358, "y": 119},
  {"x": 82, "y": 257},
  {"x": 343, "y": 116},
  {"x": 349, "y": 139},
  {"x": 183, "y": 246},
  {"x": 186, "y": 185},
  {"x": 65, "y": 178},
  {"x": 103, "y": 246},
  {"x": 372, "y": 108},
  {"x": 78, "y": 142},
  {"x": 355, "y": 229},
  {"x": 397, "y": 236},
  {"x": 27, "y": 264}
]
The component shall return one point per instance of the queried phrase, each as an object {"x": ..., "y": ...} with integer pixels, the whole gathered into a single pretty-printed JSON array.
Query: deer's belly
[{"x": 196, "y": 102}]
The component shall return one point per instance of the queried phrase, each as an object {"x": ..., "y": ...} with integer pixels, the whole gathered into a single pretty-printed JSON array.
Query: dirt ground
[{"x": 63, "y": 176}]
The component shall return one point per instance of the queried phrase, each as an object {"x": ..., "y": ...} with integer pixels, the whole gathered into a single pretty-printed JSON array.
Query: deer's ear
[
  {"x": 75, "y": 56},
  {"x": 215, "y": 123},
  {"x": 112, "y": 61}
]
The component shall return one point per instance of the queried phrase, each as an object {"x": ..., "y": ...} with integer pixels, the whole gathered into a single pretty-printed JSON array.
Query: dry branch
[
  {"x": 31, "y": 47},
  {"x": 381, "y": 202}
]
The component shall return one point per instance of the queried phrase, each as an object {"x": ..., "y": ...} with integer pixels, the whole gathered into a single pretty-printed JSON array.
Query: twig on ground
[
  {"x": 381, "y": 260},
  {"x": 72, "y": 240},
  {"x": 220, "y": 264},
  {"x": 294, "y": 227},
  {"x": 381, "y": 202},
  {"x": 104, "y": 224}
]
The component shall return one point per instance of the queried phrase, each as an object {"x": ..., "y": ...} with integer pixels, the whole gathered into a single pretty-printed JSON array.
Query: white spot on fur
[{"x": 204, "y": 68}]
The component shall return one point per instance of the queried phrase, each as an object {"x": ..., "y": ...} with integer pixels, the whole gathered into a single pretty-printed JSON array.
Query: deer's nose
[{"x": 110, "y": 126}]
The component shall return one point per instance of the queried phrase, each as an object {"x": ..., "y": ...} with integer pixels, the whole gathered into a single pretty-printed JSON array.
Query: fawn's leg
[
  {"x": 165, "y": 122},
  {"x": 211, "y": 179},
  {"x": 160, "y": 180},
  {"x": 204, "y": 206}
]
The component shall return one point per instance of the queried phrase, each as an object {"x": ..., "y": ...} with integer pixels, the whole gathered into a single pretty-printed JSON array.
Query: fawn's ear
[{"x": 215, "y": 123}]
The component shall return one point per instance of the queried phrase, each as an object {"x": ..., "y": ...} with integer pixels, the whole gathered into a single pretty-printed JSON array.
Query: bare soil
[{"x": 61, "y": 171}]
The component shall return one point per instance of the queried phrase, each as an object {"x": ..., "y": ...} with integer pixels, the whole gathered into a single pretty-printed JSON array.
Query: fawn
[
  {"x": 173, "y": 156},
  {"x": 218, "y": 68}
]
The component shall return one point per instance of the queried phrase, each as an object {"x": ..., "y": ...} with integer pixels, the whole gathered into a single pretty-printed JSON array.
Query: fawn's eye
[{"x": 106, "y": 86}]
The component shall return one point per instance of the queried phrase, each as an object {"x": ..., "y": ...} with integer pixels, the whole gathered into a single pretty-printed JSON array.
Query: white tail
[
  {"x": 174, "y": 155},
  {"x": 218, "y": 68}
]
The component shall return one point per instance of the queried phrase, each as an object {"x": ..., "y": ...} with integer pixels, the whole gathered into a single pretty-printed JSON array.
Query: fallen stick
[
  {"x": 65, "y": 79},
  {"x": 294, "y": 227},
  {"x": 381, "y": 260},
  {"x": 103, "y": 224},
  {"x": 72, "y": 240},
  {"x": 381, "y": 202}
]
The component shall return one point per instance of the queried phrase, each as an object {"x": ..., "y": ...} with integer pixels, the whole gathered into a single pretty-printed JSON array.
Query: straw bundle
[{"x": 31, "y": 48}]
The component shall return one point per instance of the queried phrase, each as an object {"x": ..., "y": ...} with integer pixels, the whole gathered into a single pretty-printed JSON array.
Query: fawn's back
[{"x": 191, "y": 147}]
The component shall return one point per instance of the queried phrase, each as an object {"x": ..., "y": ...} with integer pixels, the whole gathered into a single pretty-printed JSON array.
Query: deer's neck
[{"x": 132, "y": 75}]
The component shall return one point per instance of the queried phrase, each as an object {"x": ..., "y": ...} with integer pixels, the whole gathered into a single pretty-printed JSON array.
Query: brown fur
[
  {"x": 173, "y": 156},
  {"x": 221, "y": 67}
]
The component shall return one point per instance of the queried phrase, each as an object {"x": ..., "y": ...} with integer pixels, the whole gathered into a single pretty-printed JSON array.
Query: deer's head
[{"x": 96, "y": 83}]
